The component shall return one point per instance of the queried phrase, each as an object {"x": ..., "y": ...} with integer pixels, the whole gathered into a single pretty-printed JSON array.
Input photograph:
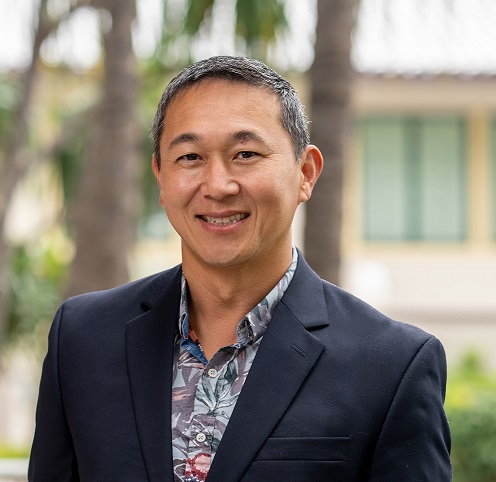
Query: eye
[
  {"x": 189, "y": 159},
  {"x": 246, "y": 154}
]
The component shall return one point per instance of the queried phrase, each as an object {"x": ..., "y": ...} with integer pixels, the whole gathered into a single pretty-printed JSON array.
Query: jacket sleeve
[
  {"x": 415, "y": 441},
  {"x": 52, "y": 455}
]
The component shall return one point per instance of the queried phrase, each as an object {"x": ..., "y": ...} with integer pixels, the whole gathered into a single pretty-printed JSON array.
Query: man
[{"x": 240, "y": 364}]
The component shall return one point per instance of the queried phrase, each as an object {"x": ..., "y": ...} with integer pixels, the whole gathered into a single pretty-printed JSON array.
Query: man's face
[{"x": 229, "y": 180}]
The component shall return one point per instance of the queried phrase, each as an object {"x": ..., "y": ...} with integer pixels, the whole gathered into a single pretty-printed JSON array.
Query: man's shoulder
[
  {"x": 356, "y": 331},
  {"x": 346, "y": 316},
  {"x": 350, "y": 312},
  {"x": 131, "y": 298}
]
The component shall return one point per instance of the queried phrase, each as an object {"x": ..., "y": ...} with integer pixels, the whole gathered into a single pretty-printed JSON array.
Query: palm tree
[
  {"x": 331, "y": 78},
  {"x": 107, "y": 208}
]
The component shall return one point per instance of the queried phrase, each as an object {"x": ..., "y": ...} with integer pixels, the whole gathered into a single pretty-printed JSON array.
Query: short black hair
[{"x": 237, "y": 69}]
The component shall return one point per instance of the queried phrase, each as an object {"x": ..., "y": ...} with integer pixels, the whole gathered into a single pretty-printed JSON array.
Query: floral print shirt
[{"x": 204, "y": 392}]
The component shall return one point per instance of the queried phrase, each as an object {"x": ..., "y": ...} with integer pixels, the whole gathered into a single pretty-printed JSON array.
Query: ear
[
  {"x": 311, "y": 164},
  {"x": 156, "y": 173}
]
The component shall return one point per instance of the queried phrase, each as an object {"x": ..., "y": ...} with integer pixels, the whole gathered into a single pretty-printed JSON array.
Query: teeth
[{"x": 225, "y": 221}]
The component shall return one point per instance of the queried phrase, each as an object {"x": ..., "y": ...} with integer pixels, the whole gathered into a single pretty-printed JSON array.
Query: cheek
[
  {"x": 286, "y": 186},
  {"x": 172, "y": 202},
  {"x": 176, "y": 189},
  {"x": 279, "y": 196}
]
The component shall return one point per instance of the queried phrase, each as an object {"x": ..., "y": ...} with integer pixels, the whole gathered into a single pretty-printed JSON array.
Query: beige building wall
[{"x": 449, "y": 288}]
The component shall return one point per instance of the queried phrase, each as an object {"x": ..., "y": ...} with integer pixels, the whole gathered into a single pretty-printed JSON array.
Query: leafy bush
[
  {"x": 471, "y": 410},
  {"x": 8, "y": 451},
  {"x": 37, "y": 277}
]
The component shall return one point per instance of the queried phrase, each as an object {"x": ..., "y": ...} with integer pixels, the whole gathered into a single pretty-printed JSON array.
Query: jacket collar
[
  {"x": 284, "y": 359},
  {"x": 305, "y": 297},
  {"x": 150, "y": 354}
]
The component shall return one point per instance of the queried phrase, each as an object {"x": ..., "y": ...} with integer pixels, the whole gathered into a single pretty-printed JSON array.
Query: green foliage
[
  {"x": 198, "y": 10},
  {"x": 36, "y": 281},
  {"x": 258, "y": 21},
  {"x": 68, "y": 158},
  {"x": 471, "y": 410},
  {"x": 257, "y": 24},
  {"x": 8, "y": 451},
  {"x": 9, "y": 93}
]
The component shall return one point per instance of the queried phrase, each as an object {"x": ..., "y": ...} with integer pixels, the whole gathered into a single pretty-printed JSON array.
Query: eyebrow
[
  {"x": 241, "y": 135},
  {"x": 182, "y": 138},
  {"x": 237, "y": 136}
]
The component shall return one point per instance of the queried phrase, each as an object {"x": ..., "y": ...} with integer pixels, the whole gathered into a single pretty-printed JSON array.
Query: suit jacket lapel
[
  {"x": 286, "y": 355},
  {"x": 149, "y": 351}
]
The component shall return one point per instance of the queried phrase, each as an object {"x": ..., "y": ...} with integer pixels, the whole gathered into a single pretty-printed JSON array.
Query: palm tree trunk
[
  {"x": 331, "y": 78},
  {"x": 105, "y": 214}
]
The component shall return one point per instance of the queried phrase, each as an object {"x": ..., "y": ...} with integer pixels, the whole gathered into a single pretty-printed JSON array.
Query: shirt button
[
  {"x": 212, "y": 373},
  {"x": 201, "y": 437}
]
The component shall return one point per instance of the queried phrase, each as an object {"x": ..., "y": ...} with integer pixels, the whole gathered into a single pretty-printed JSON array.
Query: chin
[
  {"x": 225, "y": 261},
  {"x": 223, "y": 258}
]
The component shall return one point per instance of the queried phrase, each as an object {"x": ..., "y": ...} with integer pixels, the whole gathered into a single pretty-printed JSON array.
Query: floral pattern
[{"x": 204, "y": 392}]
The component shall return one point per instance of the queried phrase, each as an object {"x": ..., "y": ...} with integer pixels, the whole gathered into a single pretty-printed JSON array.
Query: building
[{"x": 419, "y": 237}]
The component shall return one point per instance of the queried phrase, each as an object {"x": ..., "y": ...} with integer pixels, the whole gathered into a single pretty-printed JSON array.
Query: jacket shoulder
[
  {"x": 128, "y": 300},
  {"x": 337, "y": 314},
  {"x": 345, "y": 308}
]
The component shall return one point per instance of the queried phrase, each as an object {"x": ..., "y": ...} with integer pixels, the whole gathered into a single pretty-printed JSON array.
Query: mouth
[{"x": 224, "y": 221}]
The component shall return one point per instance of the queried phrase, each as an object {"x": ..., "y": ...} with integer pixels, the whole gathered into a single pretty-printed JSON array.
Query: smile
[{"x": 225, "y": 221}]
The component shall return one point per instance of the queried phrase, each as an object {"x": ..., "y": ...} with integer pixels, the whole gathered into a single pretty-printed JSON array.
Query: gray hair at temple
[{"x": 238, "y": 69}]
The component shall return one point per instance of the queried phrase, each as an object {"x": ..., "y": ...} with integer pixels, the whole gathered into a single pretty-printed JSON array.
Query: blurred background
[{"x": 402, "y": 98}]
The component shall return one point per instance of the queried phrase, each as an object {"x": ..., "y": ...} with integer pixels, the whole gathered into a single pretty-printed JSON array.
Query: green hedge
[
  {"x": 471, "y": 410},
  {"x": 8, "y": 451}
]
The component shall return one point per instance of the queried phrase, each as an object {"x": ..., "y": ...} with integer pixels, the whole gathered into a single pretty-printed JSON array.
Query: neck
[{"x": 221, "y": 297}]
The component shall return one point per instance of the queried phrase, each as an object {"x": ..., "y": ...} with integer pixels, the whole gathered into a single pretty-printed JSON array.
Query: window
[{"x": 414, "y": 179}]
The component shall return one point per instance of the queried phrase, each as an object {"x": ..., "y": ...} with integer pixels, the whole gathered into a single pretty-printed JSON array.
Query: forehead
[{"x": 214, "y": 92}]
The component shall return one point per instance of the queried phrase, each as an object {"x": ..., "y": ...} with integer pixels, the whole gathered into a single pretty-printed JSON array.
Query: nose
[{"x": 219, "y": 180}]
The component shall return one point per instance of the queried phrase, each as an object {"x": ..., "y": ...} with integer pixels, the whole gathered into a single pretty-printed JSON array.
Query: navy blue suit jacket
[{"x": 337, "y": 392}]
